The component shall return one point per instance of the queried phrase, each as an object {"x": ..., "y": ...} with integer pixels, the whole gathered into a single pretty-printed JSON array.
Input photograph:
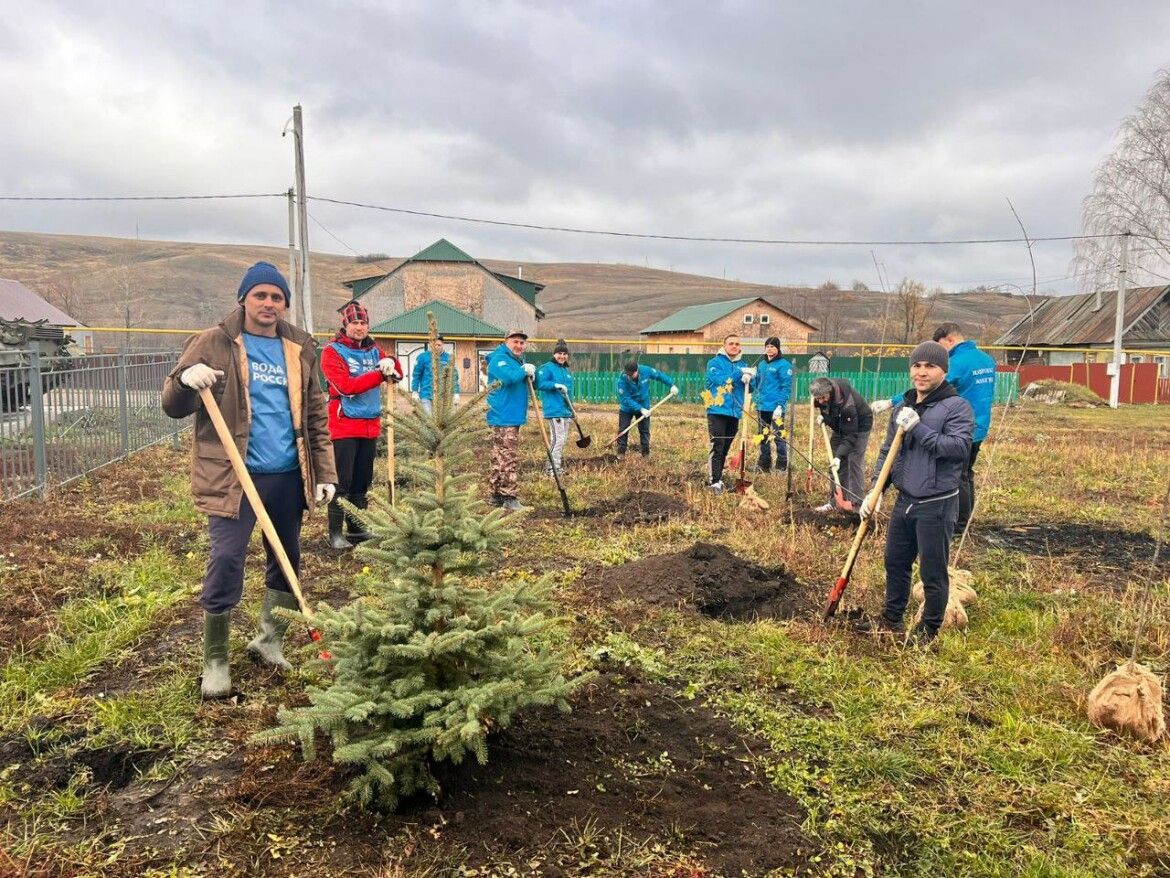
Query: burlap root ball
[
  {"x": 1129, "y": 700},
  {"x": 753, "y": 502},
  {"x": 954, "y": 617},
  {"x": 961, "y": 588}
]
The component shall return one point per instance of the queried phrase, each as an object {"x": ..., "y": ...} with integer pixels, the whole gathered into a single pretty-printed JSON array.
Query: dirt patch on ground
[
  {"x": 710, "y": 579},
  {"x": 1097, "y": 550},
  {"x": 637, "y": 507}
]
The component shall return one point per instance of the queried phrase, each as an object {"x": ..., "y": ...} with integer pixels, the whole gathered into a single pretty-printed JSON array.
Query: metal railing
[{"x": 61, "y": 418}]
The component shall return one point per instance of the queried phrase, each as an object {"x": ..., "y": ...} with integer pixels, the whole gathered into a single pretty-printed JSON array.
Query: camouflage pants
[{"x": 505, "y": 475}]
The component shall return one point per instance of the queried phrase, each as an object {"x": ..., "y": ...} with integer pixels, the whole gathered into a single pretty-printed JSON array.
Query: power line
[
  {"x": 697, "y": 238},
  {"x": 139, "y": 197}
]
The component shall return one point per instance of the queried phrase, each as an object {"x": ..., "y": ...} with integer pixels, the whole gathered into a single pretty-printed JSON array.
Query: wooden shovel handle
[
  {"x": 266, "y": 525},
  {"x": 634, "y": 422}
]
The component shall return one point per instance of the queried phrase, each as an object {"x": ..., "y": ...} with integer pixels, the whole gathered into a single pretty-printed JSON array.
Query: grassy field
[{"x": 721, "y": 736}]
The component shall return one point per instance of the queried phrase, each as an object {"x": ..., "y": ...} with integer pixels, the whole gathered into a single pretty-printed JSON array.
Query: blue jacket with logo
[
  {"x": 507, "y": 405},
  {"x": 634, "y": 394},
  {"x": 359, "y": 361},
  {"x": 934, "y": 454},
  {"x": 772, "y": 385},
  {"x": 721, "y": 370},
  {"x": 420, "y": 377},
  {"x": 972, "y": 373},
  {"x": 552, "y": 401}
]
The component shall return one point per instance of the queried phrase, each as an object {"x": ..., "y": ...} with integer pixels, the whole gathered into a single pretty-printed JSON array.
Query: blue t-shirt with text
[{"x": 272, "y": 448}]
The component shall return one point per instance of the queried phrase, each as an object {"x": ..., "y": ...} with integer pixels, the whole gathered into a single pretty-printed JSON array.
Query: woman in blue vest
[
  {"x": 633, "y": 391},
  {"x": 355, "y": 368},
  {"x": 555, "y": 383}
]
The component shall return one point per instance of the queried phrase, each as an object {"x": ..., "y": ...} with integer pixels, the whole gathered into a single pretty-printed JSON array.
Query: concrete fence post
[
  {"x": 36, "y": 402},
  {"x": 124, "y": 401}
]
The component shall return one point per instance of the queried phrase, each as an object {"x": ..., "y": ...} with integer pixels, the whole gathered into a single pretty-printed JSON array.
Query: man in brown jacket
[{"x": 262, "y": 372}]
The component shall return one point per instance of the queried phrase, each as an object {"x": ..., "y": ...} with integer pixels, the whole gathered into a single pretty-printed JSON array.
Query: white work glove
[
  {"x": 674, "y": 390},
  {"x": 561, "y": 388},
  {"x": 869, "y": 505},
  {"x": 199, "y": 376},
  {"x": 820, "y": 420},
  {"x": 644, "y": 413},
  {"x": 455, "y": 398},
  {"x": 778, "y": 414},
  {"x": 386, "y": 367},
  {"x": 325, "y": 493},
  {"x": 414, "y": 395},
  {"x": 835, "y": 464},
  {"x": 907, "y": 419},
  {"x": 747, "y": 374},
  {"x": 881, "y": 405},
  {"x": 529, "y": 369}
]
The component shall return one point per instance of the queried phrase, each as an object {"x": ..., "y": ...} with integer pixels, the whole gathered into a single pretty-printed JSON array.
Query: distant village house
[{"x": 695, "y": 329}]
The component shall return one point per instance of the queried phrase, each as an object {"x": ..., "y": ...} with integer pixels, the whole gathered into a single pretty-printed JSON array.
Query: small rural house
[
  {"x": 473, "y": 306},
  {"x": 1085, "y": 321},
  {"x": 18, "y": 302},
  {"x": 693, "y": 329}
]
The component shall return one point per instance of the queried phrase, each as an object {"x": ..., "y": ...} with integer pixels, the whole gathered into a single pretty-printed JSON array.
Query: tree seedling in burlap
[{"x": 429, "y": 665}]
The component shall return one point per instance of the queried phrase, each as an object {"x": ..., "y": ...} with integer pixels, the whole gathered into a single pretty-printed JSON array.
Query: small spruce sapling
[{"x": 429, "y": 665}]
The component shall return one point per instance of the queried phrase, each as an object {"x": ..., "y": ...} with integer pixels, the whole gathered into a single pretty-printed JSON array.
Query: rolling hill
[{"x": 164, "y": 284}]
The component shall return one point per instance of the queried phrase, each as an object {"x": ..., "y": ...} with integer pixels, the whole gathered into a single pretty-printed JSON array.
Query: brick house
[
  {"x": 692, "y": 330},
  {"x": 473, "y": 306}
]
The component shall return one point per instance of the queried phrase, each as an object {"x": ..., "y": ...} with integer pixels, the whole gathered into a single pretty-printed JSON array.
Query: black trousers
[
  {"x": 920, "y": 529},
  {"x": 722, "y": 430},
  {"x": 624, "y": 420},
  {"x": 354, "y": 459},
  {"x": 967, "y": 489},
  {"x": 283, "y": 496},
  {"x": 764, "y": 422}
]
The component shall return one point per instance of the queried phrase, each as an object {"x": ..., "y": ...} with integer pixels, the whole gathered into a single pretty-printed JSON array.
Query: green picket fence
[{"x": 601, "y": 387}]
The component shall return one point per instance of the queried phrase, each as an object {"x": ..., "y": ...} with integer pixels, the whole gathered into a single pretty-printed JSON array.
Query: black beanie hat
[
  {"x": 931, "y": 352},
  {"x": 775, "y": 342},
  {"x": 562, "y": 347}
]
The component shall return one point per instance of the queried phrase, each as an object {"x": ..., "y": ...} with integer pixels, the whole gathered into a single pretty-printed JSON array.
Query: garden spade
[
  {"x": 838, "y": 492},
  {"x": 548, "y": 449},
  {"x": 838, "y": 588},
  {"x": 634, "y": 422},
  {"x": 742, "y": 483},
  {"x": 229, "y": 446},
  {"x": 584, "y": 441}
]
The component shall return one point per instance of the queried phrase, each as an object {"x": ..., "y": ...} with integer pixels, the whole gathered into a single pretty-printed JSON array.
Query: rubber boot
[
  {"x": 266, "y": 645},
  {"x": 217, "y": 677},
  {"x": 337, "y": 539},
  {"x": 355, "y": 532}
]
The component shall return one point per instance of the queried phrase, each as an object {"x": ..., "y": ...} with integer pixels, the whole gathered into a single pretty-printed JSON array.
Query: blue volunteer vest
[{"x": 360, "y": 361}]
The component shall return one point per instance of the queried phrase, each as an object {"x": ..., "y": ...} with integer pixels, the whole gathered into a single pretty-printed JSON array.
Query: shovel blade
[
  {"x": 584, "y": 441},
  {"x": 741, "y": 486},
  {"x": 834, "y": 599}
]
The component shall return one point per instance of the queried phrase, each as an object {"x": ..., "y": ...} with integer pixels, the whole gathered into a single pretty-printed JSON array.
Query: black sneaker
[
  {"x": 880, "y": 625},
  {"x": 921, "y": 637},
  {"x": 495, "y": 500}
]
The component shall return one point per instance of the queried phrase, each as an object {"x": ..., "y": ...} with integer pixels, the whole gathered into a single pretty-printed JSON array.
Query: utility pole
[
  {"x": 292, "y": 257},
  {"x": 305, "y": 292},
  {"x": 1119, "y": 325}
]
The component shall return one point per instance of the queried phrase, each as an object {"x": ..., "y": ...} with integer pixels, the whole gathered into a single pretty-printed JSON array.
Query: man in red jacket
[{"x": 355, "y": 368}]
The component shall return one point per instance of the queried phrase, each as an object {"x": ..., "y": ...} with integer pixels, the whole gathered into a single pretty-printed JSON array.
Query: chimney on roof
[
  {"x": 1098, "y": 304},
  {"x": 520, "y": 272}
]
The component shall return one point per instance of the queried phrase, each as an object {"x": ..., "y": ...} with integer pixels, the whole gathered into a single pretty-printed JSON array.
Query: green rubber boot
[
  {"x": 217, "y": 677},
  {"x": 266, "y": 645}
]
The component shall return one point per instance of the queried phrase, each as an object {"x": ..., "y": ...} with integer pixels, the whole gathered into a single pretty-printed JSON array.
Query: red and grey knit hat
[{"x": 353, "y": 311}]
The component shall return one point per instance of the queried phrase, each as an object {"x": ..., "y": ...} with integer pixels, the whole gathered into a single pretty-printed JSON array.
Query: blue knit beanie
[{"x": 263, "y": 273}]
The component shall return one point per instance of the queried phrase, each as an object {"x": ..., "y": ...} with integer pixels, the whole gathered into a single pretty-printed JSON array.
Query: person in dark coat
[
  {"x": 938, "y": 425},
  {"x": 847, "y": 415}
]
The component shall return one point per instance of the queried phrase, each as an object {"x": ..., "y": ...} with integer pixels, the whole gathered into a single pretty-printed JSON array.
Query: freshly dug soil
[
  {"x": 644, "y": 507},
  {"x": 629, "y": 758},
  {"x": 1097, "y": 549},
  {"x": 712, "y": 580}
]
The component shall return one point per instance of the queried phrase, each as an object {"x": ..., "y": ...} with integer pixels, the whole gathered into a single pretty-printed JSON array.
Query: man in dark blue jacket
[
  {"x": 633, "y": 393},
  {"x": 938, "y": 424}
]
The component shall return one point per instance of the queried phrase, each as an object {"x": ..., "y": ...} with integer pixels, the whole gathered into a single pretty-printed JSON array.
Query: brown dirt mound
[
  {"x": 644, "y": 507},
  {"x": 1097, "y": 549},
  {"x": 711, "y": 579},
  {"x": 629, "y": 758}
]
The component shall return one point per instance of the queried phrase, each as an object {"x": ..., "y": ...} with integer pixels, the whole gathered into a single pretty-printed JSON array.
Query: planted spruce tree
[{"x": 430, "y": 664}]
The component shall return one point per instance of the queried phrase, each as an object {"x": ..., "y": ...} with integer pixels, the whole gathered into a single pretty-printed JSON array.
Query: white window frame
[
  {"x": 765, "y": 319},
  {"x": 748, "y": 318}
]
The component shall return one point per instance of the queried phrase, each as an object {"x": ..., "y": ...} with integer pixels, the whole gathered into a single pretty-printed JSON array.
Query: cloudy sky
[{"x": 831, "y": 121}]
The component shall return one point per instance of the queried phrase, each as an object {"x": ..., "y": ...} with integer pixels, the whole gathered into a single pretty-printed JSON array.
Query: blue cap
[{"x": 263, "y": 273}]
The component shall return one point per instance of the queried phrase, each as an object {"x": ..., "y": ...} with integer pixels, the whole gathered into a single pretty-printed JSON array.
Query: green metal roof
[
  {"x": 450, "y": 321},
  {"x": 361, "y": 284},
  {"x": 697, "y": 316},
  {"x": 525, "y": 289},
  {"x": 441, "y": 251}
]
